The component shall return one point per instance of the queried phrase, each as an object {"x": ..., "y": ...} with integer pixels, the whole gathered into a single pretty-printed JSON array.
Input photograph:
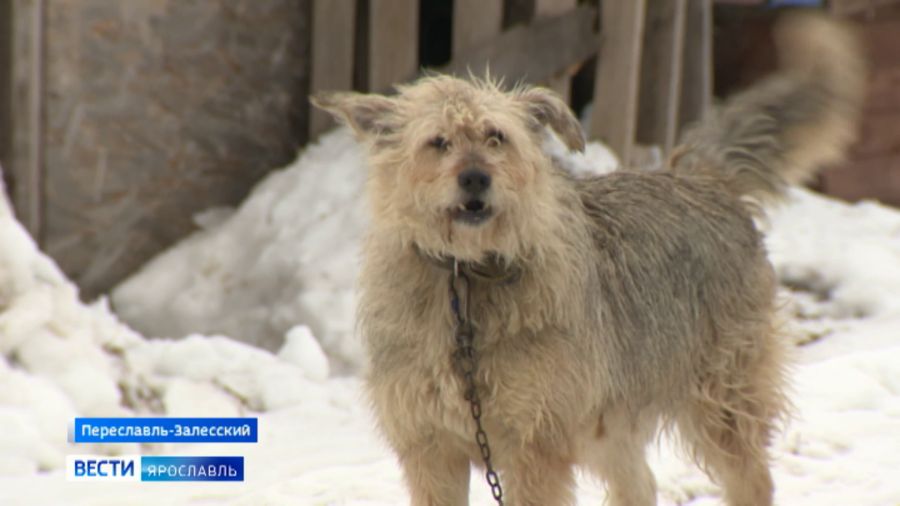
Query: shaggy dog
[{"x": 603, "y": 309}]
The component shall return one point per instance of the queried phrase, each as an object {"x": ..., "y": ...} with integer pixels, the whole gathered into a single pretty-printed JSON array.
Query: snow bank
[
  {"x": 60, "y": 359},
  {"x": 287, "y": 256}
]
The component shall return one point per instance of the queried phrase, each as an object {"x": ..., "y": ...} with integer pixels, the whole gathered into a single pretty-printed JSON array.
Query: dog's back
[{"x": 687, "y": 294}]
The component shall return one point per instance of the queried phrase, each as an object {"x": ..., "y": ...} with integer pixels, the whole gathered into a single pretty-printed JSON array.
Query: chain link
[{"x": 467, "y": 364}]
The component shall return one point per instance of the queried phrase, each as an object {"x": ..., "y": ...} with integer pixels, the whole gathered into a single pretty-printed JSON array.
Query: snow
[{"x": 279, "y": 271}]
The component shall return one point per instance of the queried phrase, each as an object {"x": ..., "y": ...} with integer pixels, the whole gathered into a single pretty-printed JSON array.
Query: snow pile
[
  {"x": 288, "y": 255},
  {"x": 839, "y": 253},
  {"x": 60, "y": 359}
]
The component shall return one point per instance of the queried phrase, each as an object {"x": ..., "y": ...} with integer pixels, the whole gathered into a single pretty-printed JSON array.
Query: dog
[{"x": 604, "y": 309}]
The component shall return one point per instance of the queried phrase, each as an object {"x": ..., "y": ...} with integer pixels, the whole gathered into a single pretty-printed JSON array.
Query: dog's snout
[{"x": 474, "y": 181}]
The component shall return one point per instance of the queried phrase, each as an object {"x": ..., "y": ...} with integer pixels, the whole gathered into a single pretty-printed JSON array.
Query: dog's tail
[{"x": 782, "y": 130}]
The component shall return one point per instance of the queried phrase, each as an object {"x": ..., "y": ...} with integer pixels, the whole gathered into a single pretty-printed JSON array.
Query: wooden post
[
  {"x": 614, "y": 118},
  {"x": 393, "y": 42},
  {"x": 26, "y": 156},
  {"x": 475, "y": 23},
  {"x": 697, "y": 77},
  {"x": 543, "y": 48},
  {"x": 549, "y": 8},
  {"x": 333, "y": 32},
  {"x": 661, "y": 73}
]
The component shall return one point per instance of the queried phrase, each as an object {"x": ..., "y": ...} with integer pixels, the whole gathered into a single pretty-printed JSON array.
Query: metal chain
[{"x": 466, "y": 362}]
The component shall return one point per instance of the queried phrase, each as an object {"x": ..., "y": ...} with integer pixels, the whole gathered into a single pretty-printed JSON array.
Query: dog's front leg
[
  {"x": 436, "y": 474},
  {"x": 536, "y": 476}
]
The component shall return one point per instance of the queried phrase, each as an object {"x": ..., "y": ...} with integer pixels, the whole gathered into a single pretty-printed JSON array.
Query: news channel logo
[{"x": 156, "y": 468}]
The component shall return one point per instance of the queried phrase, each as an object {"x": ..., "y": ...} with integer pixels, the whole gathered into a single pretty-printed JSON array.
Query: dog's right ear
[
  {"x": 548, "y": 109},
  {"x": 368, "y": 115}
]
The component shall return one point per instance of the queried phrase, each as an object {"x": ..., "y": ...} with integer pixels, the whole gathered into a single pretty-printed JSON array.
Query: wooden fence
[
  {"x": 653, "y": 71},
  {"x": 125, "y": 118}
]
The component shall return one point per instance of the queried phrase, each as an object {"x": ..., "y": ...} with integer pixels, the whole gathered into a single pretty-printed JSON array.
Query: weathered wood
[
  {"x": 561, "y": 83},
  {"x": 332, "y": 46},
  {"x": 6, "y": 27},
  {"x": 614, "y": 118},
  {"x": 879, "y": 134},
  {"x": 884, "y": 90},
  {"x": 661, "y": 65},
  {"x": 871, "y": 178},
  {"x": 475, "y": 23},
  {"x": 543, "y": 48},
  {"x": 156, "y": 110},
  {"x": 26, "y": 113},
  {"x": 853, "y": 7},
  {"x": 697, "y": 77},
  {"x": 393, "y": 42}
]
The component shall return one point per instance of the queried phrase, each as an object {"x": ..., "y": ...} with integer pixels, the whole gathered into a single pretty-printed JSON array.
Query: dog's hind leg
[
  {"x": 617, "y": 455},
  {"x": 729, "y": 423}
]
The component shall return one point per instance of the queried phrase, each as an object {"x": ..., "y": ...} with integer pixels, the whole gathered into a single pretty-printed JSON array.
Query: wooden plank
[
  {"x": 543, "y": 48},
  {"x": 697, "y": 75},
  {"x": 26, "y": 156},
  {"x": 475, "y": 23},
  {"x": 883, "y": 89},
  {"x": 393, "y": 42},
  {"x": 614, "y": 118},
  {"x": 6, "y": 27},
  {"x": 331, "y": 54},
  {"x": 878, "y": 135},
  {"x": 872, "y": 178},
  {"x": 661, "y": 73},
  {"x": 158, "y": 110},
  {"x": 853, "y": 7},
  {"x": 560, "y": 83}
]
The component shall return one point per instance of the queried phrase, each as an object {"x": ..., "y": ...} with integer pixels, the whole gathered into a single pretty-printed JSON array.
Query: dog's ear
[
  {"x": 548, "y": 109},
  {"x": 368, "y": 115}
]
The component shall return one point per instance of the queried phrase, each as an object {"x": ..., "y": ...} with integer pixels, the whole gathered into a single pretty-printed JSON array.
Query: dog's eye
[
  {"x": 495, "y": 137},
  {"x": 439, "y": 143}
]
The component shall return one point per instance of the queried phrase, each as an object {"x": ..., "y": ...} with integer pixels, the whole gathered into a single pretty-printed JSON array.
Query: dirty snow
[{"x": 279, "y": 272}]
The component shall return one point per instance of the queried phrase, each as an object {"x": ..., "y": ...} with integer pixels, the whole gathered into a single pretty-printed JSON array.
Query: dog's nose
[{"x": 474, "y": 181}]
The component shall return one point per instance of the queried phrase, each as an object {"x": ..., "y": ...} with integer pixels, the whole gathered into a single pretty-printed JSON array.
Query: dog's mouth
[{"x": 472, "y": 212}]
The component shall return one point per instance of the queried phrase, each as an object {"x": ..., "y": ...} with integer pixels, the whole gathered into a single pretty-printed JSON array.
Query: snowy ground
[{"x": 283, "y": 265}]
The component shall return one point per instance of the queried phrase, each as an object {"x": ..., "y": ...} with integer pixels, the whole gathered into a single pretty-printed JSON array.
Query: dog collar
[{"x": 491, "y": 269}]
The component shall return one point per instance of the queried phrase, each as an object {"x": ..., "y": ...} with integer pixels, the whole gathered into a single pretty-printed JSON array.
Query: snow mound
[
  {"x": 60, "y": 358},
  {"x": 287, "y": 256}
]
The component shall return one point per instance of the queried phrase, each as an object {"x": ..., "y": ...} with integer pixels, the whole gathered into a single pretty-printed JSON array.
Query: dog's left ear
[
  {"x": 368, "y": 115},
  {"x": 548, "y": 109}
]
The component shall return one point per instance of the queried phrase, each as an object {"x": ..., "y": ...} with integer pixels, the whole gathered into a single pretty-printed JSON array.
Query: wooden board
[
  {"x": 879, "y": 135},
  {"x": 333, "y": 32},
  {"x": 543, "y": 49},
  {"x": 871, "y": 178},
  {"x": 614, "y": 118},
  {"x": 393, "y": 52},
  {"x": 661, "y": 65},
  {"x": 475, "y": 23},
  {"x": 697, "y": 76},
  {"x": 158, "y": 109},
  {"x": 25, "y": 151},
  {"x": 561, "y": 83}
]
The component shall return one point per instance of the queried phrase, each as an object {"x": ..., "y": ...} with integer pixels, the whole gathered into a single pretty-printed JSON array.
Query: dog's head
[{"x": 458, "y": 165}]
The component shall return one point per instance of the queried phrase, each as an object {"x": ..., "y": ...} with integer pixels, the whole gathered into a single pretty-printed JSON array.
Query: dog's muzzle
[{"x": 473, "y": 209}]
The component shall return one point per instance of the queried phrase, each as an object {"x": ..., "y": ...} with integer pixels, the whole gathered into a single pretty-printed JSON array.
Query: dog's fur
[{"x": 645, "y": 299}]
